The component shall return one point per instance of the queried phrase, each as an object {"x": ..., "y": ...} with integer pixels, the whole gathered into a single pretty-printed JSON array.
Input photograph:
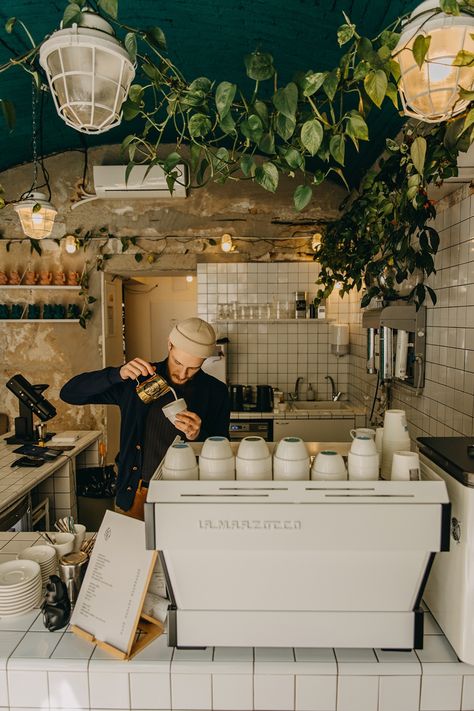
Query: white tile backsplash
[{"x": 297, "y": 349}]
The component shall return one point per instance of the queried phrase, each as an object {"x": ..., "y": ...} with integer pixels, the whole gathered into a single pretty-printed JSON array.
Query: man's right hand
[{"x": 136, "y": 367}]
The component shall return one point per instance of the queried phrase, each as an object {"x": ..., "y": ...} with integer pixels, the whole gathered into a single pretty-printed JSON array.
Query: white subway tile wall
[
  {"x": 446, "y": 405},
  {"x": 268, "y": 350}
]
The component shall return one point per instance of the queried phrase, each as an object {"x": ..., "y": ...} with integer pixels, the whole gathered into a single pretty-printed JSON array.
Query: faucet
[
  {"x": 336, "y": 394},
  {"x": 295, "y": 395}
]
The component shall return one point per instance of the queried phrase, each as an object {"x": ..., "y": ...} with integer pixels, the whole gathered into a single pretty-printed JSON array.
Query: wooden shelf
[
  {"x": 40, "y": 287},
  {"x": 39, "y": 320}
]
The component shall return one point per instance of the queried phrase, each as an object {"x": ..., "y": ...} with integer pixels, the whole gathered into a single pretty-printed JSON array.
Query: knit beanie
[{"x": 195, "y": 337}]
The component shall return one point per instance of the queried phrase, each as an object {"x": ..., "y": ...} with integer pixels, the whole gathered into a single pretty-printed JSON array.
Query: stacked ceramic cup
[
  {"x": 291, "y": 460},
  {"x": 180, "y": 462},
  {"x": 363, "y": 460},
  {"x": 216, "y": 460},
  {"x": 253, "y": 460},
  {"x": 395, "y": 438},
  {"x": 328, "y": 466}
]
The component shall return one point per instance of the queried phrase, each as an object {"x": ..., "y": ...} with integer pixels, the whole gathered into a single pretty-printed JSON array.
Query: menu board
[{"x": 111, "y": 597}]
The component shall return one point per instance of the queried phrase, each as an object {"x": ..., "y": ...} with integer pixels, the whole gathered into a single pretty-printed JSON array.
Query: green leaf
[
  {"x": 375, "y": 84},
  {"x": 171, "y": 161},
  {"x": 464, "y": 58},
  {"x": 302, "y": 196},
  {"x": 259, "y": 66},
  {"x": 345, "y": 33},
  {"x": 201, "y": 172},
  {"x": 312, "y": 82},
  {"x": 130, "y": 110},
  {"x": 36, "y": 207},
  {"x": 450, "y": 7},
  {"x": 9, "y": 24},
  {"x": 247, "y": 165},
  {"x": 392, "y": 145},
  {"x": 421, "y": 46},
  {"x": 267, "y": 176},
  {"x": 469, "y": 120},
  {"x": 195, "y": 151},
  {"x": 361, "y": 70},
  {"x": 312, "y": 135},
  {"x": 199, "y": 125},
  {"x": 110, "y": 7},
  {"x": 227, "y": 125},
  {"x": 390, "y": 39},
  {"x": 395, "y": 70},
  {"x": 128, "y": 170},
  {"x": 252, "y": 128},
  {"x": 337, "y": 147},
  {"x": 392, "y": 93},
  {"x": 432, "y": 294},
  {"x": 72, "y": 14},
  {"x": 267, "y": 143},
  {"x": 138, "y": 256},
  {"x": 260, "y": 108},
  {"x": 35, "y": 245},
  {"x": 156, "y": 37},
  {"x": 294, "y": 158},
  {"x": 130, "y": 43},
  {"x": 466, "y": 94},
  {"x": 8, "y": 111},
  {"x": 225, "y": 94},
  {"x": 330, "y": 83},
  {"x": 418, "y": 153},
  {"x": 285, "y": 127},
  {"x": 356, "y": 126},
  {"x": 135, "y": 93},
  {"x": 285, "y": 100}
]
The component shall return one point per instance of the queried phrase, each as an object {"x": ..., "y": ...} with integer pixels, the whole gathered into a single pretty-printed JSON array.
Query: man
[{"x": 145, "y": 432}]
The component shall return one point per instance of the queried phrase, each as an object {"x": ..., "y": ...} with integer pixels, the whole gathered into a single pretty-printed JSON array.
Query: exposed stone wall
[{"x": 264, "y": 226}]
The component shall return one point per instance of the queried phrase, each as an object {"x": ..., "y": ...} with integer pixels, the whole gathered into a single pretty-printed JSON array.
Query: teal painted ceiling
[{"x": 206, "y": 38}]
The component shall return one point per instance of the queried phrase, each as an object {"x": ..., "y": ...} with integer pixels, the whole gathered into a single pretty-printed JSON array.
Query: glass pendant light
[
  {"x": 431, "y": 94},
  {"x": 34, "y": 209},
  {"x": 89, "y": 74}
]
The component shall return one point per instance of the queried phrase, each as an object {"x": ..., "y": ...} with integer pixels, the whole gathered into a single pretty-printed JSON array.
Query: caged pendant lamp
[
  {"x": 34, "y": 209},
  {"x": 89, "y": 74},
  {"x": 431, "y": 93}
]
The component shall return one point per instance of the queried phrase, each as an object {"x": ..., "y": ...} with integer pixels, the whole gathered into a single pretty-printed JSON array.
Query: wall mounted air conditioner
[{"x": 110, "y": 182}]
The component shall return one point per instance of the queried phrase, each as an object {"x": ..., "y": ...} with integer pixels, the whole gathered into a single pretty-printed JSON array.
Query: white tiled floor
[{"x": 59, "y": 671}]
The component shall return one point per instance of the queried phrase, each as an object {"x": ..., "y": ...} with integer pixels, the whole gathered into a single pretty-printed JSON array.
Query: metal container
[
  {"x": 152, "y": 388},
  {"x": 72, "y": 568},
  {"x": 300, "y": 304}
]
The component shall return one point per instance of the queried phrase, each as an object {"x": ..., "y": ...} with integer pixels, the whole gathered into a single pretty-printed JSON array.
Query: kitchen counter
[
  {"x": 304, "y": 410},
  {"x": 57, "y": 670},
  {"x": 16, "y": 482}
]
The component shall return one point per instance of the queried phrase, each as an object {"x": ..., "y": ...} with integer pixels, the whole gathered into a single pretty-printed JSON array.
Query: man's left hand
[{"x": 189, "y": 423}]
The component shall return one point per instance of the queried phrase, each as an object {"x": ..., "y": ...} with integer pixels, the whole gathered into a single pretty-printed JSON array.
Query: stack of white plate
[
  {"x": 20, "y": 587},
  {"x": 45, "y": 556}
]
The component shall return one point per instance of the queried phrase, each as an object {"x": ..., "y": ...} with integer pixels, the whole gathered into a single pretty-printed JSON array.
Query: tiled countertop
[
  {"x": 57, "y": 670},
  {"x": 17, "y": 481},
  {"x": 347, "y": 412}
]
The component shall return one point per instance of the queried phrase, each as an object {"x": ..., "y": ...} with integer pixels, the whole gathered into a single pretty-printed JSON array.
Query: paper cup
[
  {"x": 80, "y": 532},
  {"x": 174, "y": 408},
  {"x": 405, "y": 466}
]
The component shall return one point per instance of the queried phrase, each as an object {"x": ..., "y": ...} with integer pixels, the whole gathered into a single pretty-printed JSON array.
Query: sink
[{"x": 318, "y": 405}]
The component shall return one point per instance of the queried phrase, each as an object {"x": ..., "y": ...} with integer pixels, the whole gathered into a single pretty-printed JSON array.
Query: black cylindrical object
[
  {"x": 264, "y": 398},
  {"x": 236, "y": 397}
]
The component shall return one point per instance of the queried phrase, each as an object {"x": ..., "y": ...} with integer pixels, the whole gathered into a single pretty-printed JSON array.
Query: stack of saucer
[
  {"x": 20, "y": 587},
  {"x": 45, "y": 556}
]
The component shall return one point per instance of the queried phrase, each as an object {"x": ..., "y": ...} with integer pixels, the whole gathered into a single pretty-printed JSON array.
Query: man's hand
[
  {"x": 189, "y": 423},
  {"x": 136, "y": 367}
]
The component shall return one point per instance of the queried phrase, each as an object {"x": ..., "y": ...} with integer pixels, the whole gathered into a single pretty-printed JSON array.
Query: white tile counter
[
  {"x": 55, "y": 477},
  {"x": 57, "y": 670}
]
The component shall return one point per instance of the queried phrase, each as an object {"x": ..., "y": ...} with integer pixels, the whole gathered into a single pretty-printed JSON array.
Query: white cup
[
  {"x": 253, "y": 448},
  {"x": 328, "y": 466},
  {"x": 64, "y": 543},
  {"x": 79, "y": 535},
  {"x": 216, "y": 448},
  {"x": 174, "y": 408},
  {"x": 291, "y": 448},
  {"x": 180, "y": 474},
  {"x": 180, "y": 456},
  {"x": 363, "y": 432},
  {"x": 217, "y": 469},
  {"x": 395, "y": 424},
  {"x": 363, "y": 445},
  {"x": 254, "y": 469},
  {"x": 379, "y": 439},
  {"x": 290, "y": 469},
  {"x": 405, "y": 466},
  {"x": 363, "y": 467}
]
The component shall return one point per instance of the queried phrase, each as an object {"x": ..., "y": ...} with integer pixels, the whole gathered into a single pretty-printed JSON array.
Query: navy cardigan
[{"x": 106, "y": 387}]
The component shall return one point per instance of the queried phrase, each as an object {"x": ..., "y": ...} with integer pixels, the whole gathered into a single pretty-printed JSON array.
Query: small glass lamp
[
  {"x": 89, "y": 74},
  {"x": 431, "y": 94},
  {"x": 36, "y": 215}
]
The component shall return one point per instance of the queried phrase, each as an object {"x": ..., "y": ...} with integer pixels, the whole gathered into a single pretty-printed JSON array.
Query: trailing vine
[{"x": 303, "y": 129}]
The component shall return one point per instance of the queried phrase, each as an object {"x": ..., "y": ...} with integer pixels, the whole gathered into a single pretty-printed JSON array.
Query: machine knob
[{"x": 456, "y": 529}]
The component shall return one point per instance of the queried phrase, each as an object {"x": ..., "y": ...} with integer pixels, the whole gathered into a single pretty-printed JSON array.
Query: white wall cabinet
[{"x": 314, "y": 430}]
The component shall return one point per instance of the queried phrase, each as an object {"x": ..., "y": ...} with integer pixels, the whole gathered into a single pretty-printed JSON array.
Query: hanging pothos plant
[{"x": 302, "y": 129}]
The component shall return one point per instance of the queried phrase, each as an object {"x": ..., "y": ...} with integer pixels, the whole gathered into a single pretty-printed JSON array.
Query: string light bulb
[
  {"x": 226, "y": 243},
  {"x": 189, "y": 278},
  {"x": 70, "y": 244},
  {"x": 316, "y": 240}
]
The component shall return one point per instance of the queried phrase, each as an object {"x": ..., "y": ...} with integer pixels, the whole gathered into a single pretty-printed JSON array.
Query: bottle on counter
[
  {"x": 300, "y": 304},
  {"x": 322, "y": 313},
  {"x": 310, "y": 395}
]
